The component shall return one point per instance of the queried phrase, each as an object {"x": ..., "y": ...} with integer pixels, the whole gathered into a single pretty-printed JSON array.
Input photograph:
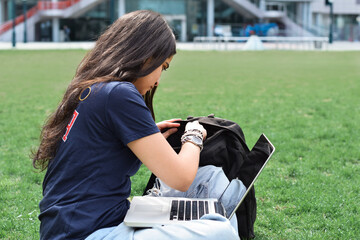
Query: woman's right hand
[
  {"x": 198, "y": 126},
  {"x": 176, "y": 170}
]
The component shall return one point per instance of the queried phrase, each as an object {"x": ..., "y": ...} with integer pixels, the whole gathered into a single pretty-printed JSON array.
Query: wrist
[{"x": 194, "y": 139}]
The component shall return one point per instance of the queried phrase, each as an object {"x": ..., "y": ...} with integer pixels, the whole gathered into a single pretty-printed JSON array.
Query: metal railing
[{"x": 303, "y": 43}]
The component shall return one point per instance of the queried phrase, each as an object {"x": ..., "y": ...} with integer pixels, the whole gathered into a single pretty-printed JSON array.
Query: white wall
[{"x": 340, "y": 7}]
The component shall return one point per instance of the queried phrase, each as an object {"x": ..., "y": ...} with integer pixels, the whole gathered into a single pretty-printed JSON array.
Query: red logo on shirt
[{"x": 69, "y": 126}]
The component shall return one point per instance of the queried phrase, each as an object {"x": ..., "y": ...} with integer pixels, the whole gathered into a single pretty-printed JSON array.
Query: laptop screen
[{"x": 259, "y": 155}]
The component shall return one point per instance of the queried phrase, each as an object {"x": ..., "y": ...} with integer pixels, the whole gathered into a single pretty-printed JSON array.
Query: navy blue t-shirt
[{"x": 88, "y": 182}]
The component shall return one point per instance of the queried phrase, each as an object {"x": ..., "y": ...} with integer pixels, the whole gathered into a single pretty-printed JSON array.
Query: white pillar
[
  {"x": 210, "y": 17},
  {"x": 56, "y": 29},
  {"x": 303, "y": 14},
  {"x": 121, "y": 7},
  {"x": 319, "y": 20},
  {"x": 2, "y": 9},
  {"x": 263, "y": 5},
  {"x": 9, "y": 8},
  {"x": 183, "y": 30},
  {"x": 310, "y": 16},
  {"x": 298, "y": 13}
]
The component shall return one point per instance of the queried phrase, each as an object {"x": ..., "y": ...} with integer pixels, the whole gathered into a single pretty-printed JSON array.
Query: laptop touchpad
[{"x": 149, "y": 208}]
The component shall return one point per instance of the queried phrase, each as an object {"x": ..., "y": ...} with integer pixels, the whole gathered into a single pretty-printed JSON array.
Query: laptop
[{"x": 149, "y": 211}]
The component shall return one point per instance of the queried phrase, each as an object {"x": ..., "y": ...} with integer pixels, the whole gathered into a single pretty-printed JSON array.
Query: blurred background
[{"x": 84, "y": 20}]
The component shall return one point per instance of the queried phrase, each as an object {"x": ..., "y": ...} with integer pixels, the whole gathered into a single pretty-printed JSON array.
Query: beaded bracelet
[{"x": 194, "y": 131}]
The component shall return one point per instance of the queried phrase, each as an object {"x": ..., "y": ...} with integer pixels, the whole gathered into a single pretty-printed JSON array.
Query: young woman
[{"x": 103, "y": 130}]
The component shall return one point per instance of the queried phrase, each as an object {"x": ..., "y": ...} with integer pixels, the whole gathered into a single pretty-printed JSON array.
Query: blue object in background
[{"x": 259, "y": 29}]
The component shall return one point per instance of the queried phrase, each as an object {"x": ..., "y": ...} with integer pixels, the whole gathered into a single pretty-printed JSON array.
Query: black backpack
[{"x": 225, "y": 147}]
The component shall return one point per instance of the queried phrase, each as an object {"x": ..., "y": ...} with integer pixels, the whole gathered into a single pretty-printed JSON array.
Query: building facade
[{"x": 84, "y": 20}]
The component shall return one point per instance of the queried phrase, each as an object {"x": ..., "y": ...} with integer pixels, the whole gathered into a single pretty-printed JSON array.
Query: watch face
[{"x": 196, "y": 140}]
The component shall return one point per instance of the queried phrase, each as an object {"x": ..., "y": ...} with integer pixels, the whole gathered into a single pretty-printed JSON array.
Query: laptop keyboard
[{"x": 183, "y": 210}]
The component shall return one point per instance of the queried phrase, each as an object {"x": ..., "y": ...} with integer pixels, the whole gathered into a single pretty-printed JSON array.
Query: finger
[
  {"x": 204, "y": 134},
  {"x": 169, "y": 132},
  {"x": 163, "y": 125},
  {"x": 173, "y": 120}
]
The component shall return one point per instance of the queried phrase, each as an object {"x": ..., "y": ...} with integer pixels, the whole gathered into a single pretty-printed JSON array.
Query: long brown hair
[{"x": 119, "y": 54}]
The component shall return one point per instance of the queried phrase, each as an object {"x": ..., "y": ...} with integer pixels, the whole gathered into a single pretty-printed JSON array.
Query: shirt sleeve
[{"x": 128, "y": 115}]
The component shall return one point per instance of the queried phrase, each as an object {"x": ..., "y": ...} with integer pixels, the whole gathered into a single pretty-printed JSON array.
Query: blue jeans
[{"x": 209, "y": 182}]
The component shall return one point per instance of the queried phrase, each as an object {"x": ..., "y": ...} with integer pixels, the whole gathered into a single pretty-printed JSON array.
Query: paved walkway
[{"x": 336, "y": 46}]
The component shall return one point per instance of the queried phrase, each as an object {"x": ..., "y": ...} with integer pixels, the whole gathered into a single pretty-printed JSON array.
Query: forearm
[{"x": 189, "y": 160}]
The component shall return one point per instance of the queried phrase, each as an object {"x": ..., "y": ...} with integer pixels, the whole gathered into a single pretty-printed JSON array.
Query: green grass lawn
[{"x": 307, "y": 103}]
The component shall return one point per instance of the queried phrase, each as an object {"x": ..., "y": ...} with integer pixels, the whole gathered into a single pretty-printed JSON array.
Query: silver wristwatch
[{"x": 194, "y": 140}]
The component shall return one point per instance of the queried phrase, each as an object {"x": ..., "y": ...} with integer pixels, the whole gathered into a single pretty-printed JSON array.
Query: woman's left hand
[{"x": 172, "y": 127}]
